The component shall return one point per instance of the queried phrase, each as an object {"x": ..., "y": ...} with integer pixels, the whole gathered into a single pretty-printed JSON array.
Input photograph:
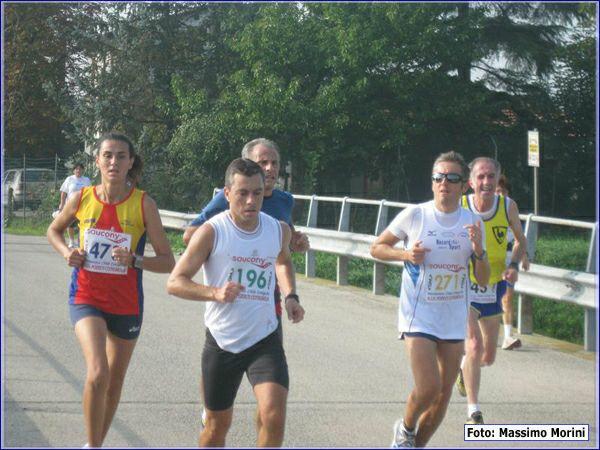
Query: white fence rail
[{"x": 563, "y": 285}]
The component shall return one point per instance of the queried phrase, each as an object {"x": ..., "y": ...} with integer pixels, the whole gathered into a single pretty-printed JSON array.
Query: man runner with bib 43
[{"x": 498, "y": 213}]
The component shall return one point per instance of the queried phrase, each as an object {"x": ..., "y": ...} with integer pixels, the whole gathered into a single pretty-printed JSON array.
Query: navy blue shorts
[
  {"x": 431, "y": 337},
  {"x": 122, "y": 326},
  {"x": 491, "y": 309}
]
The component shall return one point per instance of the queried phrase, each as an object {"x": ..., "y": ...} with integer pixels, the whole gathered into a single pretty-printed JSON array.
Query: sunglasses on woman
[{"x": 451, "y": 177}]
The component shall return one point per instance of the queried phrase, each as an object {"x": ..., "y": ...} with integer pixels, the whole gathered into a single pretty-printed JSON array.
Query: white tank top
[
  {"x": 433, "y": 296},
  {"x": 247, "y": 258}
]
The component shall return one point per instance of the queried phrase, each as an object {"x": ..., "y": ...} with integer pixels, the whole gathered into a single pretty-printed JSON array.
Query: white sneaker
[
  {"x": 510, "y": 343},
  {"x": 203, "y": 420},
  {"x": 402, "y": 437}
]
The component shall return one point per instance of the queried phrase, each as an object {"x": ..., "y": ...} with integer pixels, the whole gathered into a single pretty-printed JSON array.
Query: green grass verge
[
  {"x": 556, "y": 319},
  {"x": 27, "y": 226}
]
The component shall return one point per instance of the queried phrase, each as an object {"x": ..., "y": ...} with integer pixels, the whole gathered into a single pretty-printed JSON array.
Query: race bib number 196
[
  {"x": 98, "y": 245},
  {"x": 257, "y": 282}
]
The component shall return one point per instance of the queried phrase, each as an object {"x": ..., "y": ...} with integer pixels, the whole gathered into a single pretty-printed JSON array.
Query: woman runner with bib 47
[{"x": 106, "y": 299}]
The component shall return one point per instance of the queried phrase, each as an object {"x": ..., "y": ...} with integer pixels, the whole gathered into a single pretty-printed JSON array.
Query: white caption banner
[{"x": 527, "y": 432}]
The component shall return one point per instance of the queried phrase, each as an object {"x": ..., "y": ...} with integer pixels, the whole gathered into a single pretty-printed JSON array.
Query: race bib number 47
[{"x": 98, "y": 246}]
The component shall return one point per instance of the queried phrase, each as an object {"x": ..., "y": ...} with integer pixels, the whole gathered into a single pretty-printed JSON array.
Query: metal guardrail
[
  {"x": 175, "y": 220},
  {"x": 557, "y": 284}
]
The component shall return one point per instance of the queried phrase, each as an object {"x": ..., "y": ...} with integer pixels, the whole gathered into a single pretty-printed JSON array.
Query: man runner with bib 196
[
  {"x": 498, "y": 213},
  {"x": 241, "y": 251},
  {"x": 440, "y": 239},
  {"x": 276, "y": 203}
]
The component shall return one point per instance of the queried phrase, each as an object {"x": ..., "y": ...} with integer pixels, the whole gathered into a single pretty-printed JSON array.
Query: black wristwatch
[
  {"x": 480, "y": 258},
  {"x": 137, "y": 262},
  {"x": 293, "y": 296}
]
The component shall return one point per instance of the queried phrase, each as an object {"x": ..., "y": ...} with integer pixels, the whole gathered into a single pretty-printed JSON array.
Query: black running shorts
[{"x": 222, "y": 371}]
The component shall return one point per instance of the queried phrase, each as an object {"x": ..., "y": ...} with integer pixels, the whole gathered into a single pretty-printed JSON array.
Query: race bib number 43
[
  {"x": 482, "y": 294},
  {"x": 98, "y": 246}
]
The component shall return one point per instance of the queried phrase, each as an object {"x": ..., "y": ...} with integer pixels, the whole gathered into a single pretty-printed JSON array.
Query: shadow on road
[{"x": 131, "y": 436}]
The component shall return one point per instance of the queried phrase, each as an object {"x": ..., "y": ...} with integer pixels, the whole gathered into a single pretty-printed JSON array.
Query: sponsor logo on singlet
[
  {"x": 450, "y": 244},
  {"x": 499, "y": 233}
]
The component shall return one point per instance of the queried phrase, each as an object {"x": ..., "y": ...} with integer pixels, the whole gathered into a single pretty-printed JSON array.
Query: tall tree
[{"x": 34, "y": 57}]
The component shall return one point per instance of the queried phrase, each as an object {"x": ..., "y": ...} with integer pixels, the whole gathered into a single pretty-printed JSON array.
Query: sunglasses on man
[{"x": 451, "y": 177}]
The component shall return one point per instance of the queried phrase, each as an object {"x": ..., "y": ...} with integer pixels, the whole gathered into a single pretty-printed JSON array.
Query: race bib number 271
[
  {"x": 445, "y": 286},
  {"x": 98, "y": 245}
]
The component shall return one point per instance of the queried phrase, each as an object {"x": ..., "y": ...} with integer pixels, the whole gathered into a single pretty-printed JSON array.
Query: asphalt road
[{"x": 349, "y": 374}]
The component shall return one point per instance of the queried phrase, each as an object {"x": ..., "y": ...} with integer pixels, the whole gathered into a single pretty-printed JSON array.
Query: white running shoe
[
  {"x": 510, "y": 343},
  {"x": 203, "y": 420},
  {"x": 402, "y": 437}
]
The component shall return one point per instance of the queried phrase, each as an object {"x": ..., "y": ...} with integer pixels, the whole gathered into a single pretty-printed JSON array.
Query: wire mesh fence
[{"x": 30, "y": 183}]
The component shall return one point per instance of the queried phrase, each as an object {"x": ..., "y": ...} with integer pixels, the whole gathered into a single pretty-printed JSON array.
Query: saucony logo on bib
[
  {"x": 450, "y": 267},
  {"x": 112, "y": 236},
  {"x": 257, "y": 261}
]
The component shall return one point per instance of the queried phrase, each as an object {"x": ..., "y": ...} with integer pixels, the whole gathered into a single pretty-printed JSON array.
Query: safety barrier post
[
  {"x": 342, "y": 261},
  {"x": 525, "y": 318},
  {"x": 589, "y": 326},
  {"x": 378, "y": 268},
  {"x": 313, "y": 209}
]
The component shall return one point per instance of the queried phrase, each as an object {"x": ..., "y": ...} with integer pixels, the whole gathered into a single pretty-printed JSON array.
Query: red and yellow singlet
[{"x": 104, "y": 226}]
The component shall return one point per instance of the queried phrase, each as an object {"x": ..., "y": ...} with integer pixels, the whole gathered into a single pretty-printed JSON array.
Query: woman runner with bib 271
[{"x": 106, "y": 298}]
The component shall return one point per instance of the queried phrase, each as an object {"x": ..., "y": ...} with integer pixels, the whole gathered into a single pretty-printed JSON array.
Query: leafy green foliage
[
  {"x": 360, "y": 97},
  {"x": 34, "y": 57}
]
